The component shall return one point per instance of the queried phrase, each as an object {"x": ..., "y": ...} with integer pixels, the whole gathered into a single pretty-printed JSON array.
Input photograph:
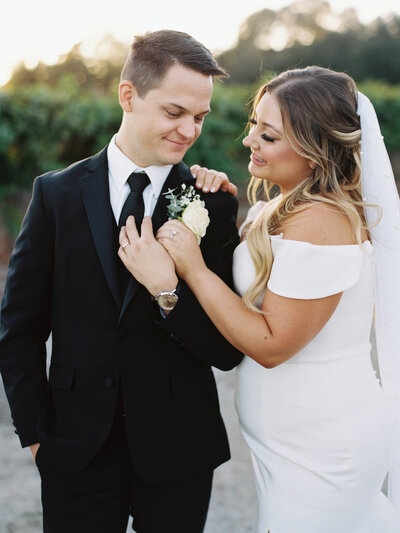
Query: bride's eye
[{"x": 267, "y": 138}]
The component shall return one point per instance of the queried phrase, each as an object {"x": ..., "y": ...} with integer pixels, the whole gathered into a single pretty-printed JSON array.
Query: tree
[
  {"x": 98, "y": 73},
  {"x": 308, "y": 32}
]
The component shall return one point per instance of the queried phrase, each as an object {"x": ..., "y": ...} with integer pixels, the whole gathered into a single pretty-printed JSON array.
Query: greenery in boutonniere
[{"x": 187, "y": 207}]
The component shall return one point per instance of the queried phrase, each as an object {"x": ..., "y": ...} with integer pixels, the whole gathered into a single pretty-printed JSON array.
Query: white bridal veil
[{"x": 379, "y": 188}]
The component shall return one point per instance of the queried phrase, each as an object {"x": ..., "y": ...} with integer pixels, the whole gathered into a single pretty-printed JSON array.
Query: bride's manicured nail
[
  {"x": 212, "y": 189},
  {"x": 198, "y": 185},
  {"x": 205, "y": 189}
]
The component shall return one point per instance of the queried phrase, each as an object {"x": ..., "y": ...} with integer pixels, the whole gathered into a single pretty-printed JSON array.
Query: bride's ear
[{"x": 312, "y": 164}]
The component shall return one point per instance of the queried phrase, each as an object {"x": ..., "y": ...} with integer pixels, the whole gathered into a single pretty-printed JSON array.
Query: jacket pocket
[{"x": 61, "y": 377}]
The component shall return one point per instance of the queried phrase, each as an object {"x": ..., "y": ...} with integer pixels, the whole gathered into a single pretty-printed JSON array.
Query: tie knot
[{"x": 138, "y": 181}]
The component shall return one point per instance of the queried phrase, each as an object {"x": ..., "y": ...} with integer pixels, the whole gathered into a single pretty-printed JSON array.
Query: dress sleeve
[{"x": 308, "y": 271}]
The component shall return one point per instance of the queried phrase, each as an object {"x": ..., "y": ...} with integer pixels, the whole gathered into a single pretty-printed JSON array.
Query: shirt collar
[{"x": 121, "y": 167}]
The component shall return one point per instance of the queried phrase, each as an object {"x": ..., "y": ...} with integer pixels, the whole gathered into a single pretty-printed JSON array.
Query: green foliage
[
  {"x": 43, "y": 129},
  {"x": 386, "y": 100},
  {"x": 220, "y": 144}
]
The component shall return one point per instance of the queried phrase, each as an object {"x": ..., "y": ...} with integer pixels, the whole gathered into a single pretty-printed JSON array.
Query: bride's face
[{"x": 272, "y": 158}]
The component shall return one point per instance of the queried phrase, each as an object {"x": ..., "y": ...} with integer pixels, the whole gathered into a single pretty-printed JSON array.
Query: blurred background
[
  {"x": 60, "y": 67},
  {"x": 59, "y": 71}
]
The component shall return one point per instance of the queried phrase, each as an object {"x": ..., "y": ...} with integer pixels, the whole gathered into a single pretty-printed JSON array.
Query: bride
[{"x": 311, "y": 409}]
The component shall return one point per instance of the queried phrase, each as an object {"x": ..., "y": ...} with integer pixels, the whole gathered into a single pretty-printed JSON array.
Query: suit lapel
[
  {"x": 96, "y": 198},
  {"x": 179, "y": 174}
]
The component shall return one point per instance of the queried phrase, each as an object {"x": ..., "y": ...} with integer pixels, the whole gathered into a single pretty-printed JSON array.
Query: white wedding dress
[{"x": 317, "y": 425}]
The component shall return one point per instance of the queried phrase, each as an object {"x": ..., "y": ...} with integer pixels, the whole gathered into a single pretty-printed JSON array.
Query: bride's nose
[{"x": 249, "y": 141}]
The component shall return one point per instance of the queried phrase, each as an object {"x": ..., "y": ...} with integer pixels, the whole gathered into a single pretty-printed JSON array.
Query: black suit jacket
[{"x": 63, "y": 280}]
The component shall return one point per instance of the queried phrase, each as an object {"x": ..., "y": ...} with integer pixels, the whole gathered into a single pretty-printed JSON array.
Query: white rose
[{"x": 195, "y": 217}]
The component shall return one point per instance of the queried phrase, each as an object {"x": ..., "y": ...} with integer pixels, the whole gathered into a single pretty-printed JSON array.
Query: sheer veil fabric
[{"x": 379, "y": 188}]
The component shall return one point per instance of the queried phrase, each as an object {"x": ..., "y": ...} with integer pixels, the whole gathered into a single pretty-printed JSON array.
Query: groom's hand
[
  {"x": 34, "y": 449},
  {"x": 145, "y": 258}
]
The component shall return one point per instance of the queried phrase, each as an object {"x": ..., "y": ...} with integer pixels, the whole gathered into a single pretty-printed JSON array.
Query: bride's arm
[{"x": 287, "y": 324}]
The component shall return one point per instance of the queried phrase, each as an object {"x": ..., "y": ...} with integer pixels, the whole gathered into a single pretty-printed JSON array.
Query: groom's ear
[{"x": 126, "y": 95}]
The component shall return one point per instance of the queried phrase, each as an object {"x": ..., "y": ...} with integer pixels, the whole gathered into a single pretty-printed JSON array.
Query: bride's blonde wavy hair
[{"x": 319, "y": 116}]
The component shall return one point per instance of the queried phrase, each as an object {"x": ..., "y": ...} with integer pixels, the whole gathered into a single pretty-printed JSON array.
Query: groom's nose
[{"x": 187, "y": 128}]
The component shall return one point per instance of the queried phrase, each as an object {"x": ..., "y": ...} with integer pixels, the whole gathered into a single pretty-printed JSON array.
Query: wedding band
[
  {"x": 172, "y": 235},
  {"x": 125, "y": 245}
]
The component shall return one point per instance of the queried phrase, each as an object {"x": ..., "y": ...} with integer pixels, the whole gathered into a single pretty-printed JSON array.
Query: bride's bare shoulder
[{"x": 319, "y": 223}]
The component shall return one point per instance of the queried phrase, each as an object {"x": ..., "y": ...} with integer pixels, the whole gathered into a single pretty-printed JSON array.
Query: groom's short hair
[{"x": 152, "y": 54}]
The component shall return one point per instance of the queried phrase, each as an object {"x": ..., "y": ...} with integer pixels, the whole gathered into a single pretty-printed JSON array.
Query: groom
[{"x": 127, "y": 421}]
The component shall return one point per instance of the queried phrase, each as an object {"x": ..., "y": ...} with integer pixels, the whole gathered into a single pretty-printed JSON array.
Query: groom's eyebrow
[{"x": 181, "y": 108}]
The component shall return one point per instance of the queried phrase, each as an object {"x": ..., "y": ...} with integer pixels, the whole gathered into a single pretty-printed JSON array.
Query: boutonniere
[{"x": 187, "y": 207}]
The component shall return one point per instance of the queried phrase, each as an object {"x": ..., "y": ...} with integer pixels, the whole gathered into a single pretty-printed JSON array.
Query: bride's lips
[{"x": 257, "y": 160}]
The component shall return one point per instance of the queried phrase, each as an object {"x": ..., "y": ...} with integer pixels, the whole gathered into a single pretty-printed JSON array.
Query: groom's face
[{"x": 166, "y": 122}]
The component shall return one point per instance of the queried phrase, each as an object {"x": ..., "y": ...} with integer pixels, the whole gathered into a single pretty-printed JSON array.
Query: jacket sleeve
[
  {"x": 188, "y": 324},
  {"x": 25, "y": 320}
]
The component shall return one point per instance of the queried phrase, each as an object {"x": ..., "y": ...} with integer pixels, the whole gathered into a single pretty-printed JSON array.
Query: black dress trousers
[{"x": 101, "y": 497}]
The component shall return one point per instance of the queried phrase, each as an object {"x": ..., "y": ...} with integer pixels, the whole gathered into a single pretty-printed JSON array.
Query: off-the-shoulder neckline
[{"x": 280, "y": 237}]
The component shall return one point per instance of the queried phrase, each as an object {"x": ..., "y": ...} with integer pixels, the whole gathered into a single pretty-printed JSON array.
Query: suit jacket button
[{"x": 109, "y": 382}]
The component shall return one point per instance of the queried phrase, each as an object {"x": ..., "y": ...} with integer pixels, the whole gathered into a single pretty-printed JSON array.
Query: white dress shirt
[{"x": 120, "y": 167}]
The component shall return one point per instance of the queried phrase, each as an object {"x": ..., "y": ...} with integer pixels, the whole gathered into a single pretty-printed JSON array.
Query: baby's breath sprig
[{"x": 179, "y": 202}]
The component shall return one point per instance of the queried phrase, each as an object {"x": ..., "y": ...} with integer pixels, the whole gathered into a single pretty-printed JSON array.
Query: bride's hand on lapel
[
  {"x": 181, "y": 244},
  {"x": 145, "y": 258}
]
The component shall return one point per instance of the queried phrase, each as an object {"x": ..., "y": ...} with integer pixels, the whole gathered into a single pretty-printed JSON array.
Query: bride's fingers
[
  {"x": 203, "y": 177},
  {"x": 232, "y": 189},
  {"x": 166, "y": 235},
  {"x": 194, "y": 170},
  {"x": 210, "y": 180},
  {"x": 171, "y": 225},
  {"x": 172, "y": 229},
  {"x": 220, "y": 181}
]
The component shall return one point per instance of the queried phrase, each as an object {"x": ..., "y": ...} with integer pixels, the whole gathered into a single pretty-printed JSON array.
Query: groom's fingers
[
  {"x": 147, "y": 228},
  {"x": 131, "y": 229},
  {"x": 123, "y": 237}
]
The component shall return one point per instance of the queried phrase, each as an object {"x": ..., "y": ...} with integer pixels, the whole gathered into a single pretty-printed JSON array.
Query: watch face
[{"x": 167, "y": 300}]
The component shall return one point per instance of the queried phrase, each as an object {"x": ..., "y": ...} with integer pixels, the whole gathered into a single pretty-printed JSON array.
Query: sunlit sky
[{"x": 44, "y": 29}]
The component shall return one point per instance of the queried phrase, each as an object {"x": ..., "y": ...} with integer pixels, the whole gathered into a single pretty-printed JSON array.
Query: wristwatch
[{"x": 167, "y": 300}]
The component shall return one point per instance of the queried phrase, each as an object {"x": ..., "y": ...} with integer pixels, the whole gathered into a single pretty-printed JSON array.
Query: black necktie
[{"x": 134, "y": 204}]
